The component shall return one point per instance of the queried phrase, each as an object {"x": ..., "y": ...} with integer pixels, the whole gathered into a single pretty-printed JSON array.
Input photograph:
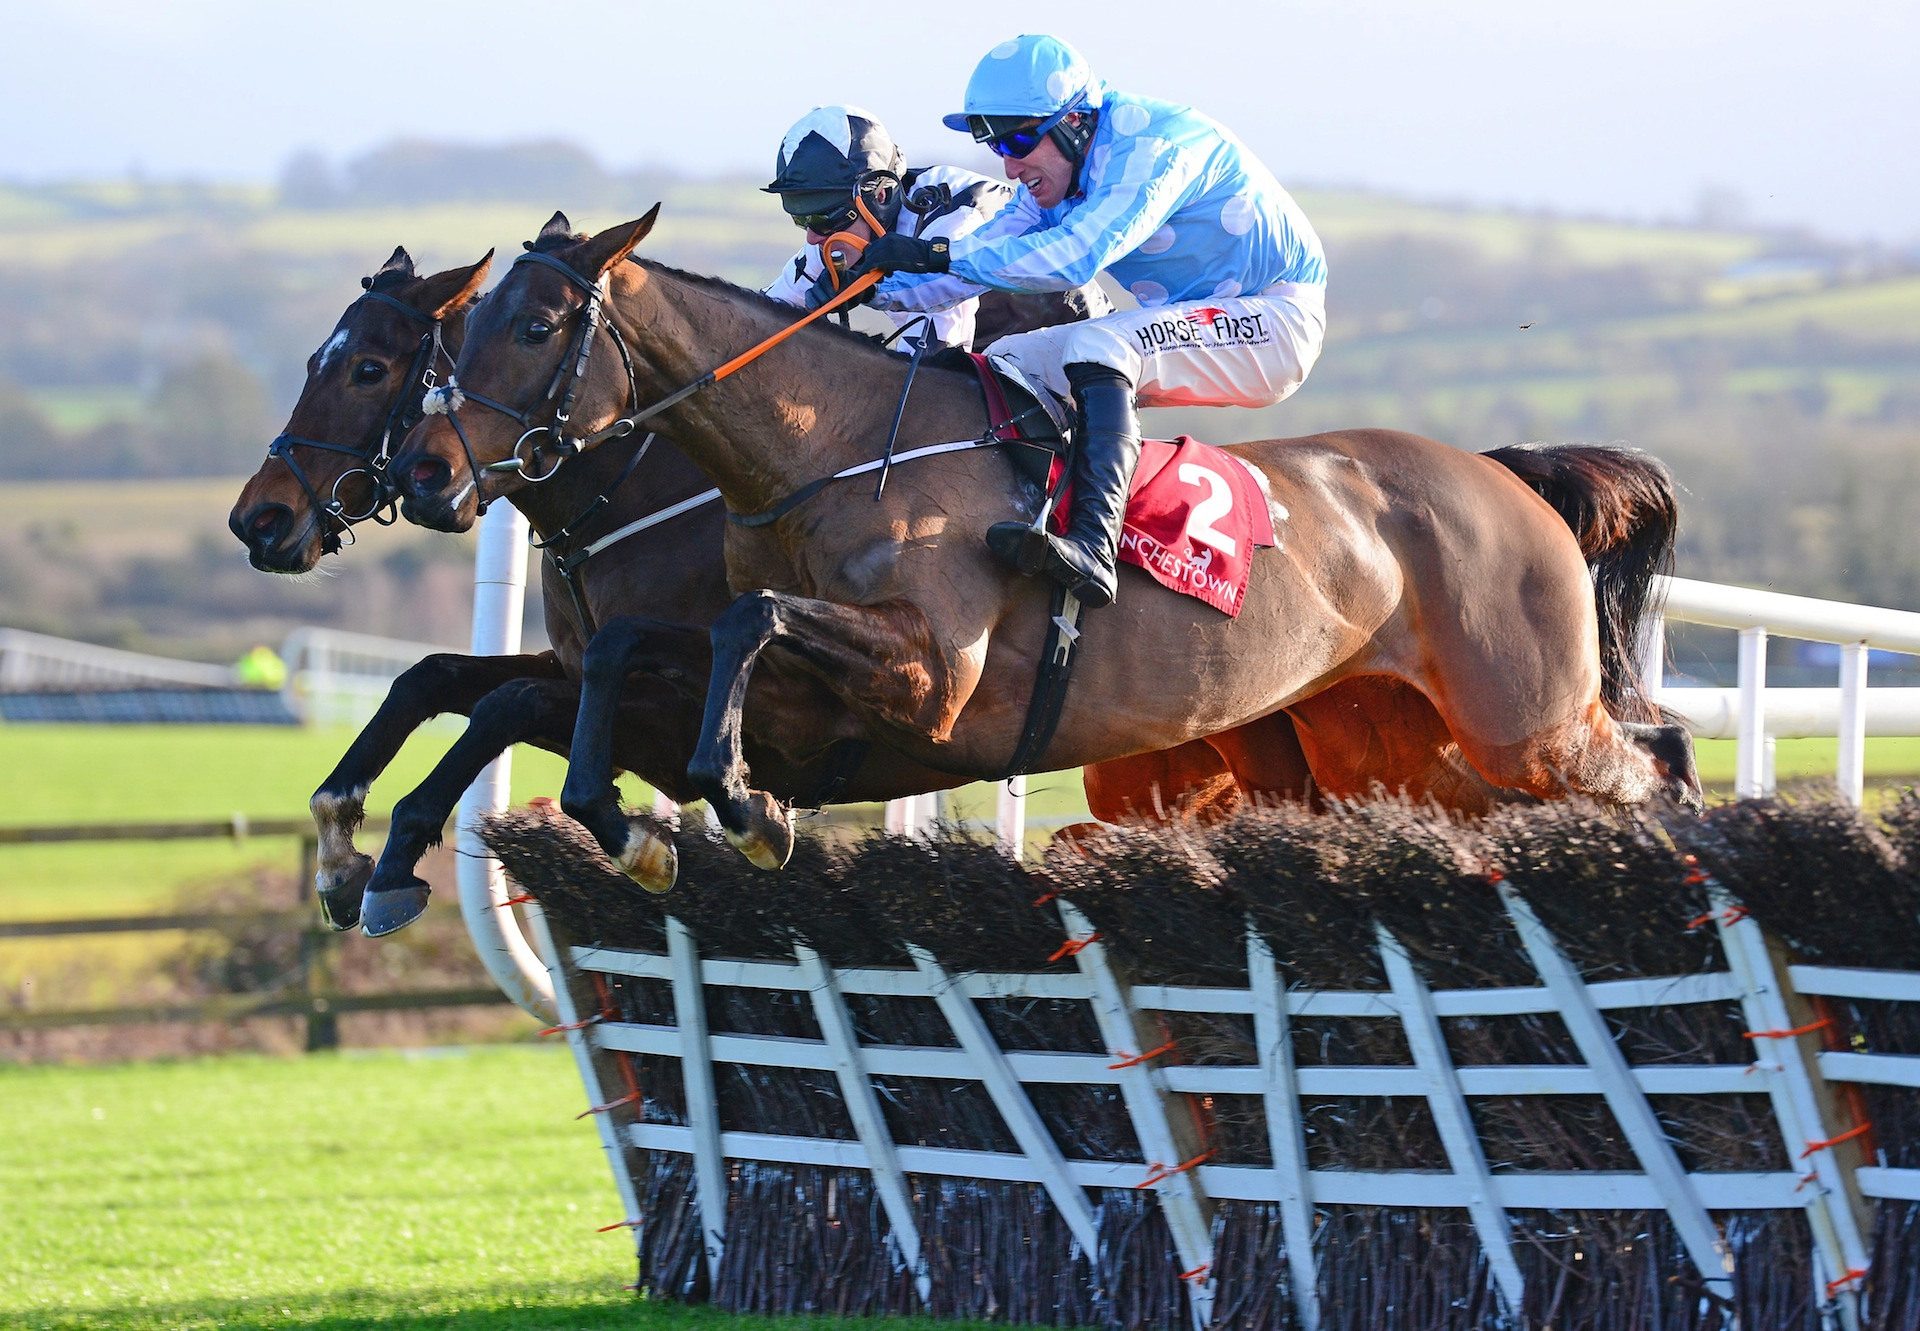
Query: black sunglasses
[
  {"x": 825, "y": 224},
  {"x": 1019, "y": 140}
]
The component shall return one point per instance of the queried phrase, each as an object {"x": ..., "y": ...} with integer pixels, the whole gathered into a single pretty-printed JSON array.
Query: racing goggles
[
  {"x": 828, "y": 222},
  {"x": 1018, "y": 137}
]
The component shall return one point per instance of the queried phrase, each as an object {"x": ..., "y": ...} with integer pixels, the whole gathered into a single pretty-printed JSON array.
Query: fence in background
[{"x": 307, "y": 991}]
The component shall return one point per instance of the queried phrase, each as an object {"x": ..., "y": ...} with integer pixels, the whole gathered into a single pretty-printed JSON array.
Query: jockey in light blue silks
[
  {"x": 844, "y": 182},
  {"x": 1228, "y": 272}
]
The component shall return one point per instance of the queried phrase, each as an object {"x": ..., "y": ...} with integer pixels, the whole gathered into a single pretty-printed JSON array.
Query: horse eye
[
  {"x": 369, "y": 372},
  {"x": 538, "y": 331}
]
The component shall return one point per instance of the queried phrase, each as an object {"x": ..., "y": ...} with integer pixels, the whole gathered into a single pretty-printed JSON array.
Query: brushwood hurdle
[{"x": 1831, "y": 1183}]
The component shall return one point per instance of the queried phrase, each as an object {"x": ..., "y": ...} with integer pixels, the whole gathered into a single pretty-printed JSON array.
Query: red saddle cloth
[{"x": 1195, "y": 515}]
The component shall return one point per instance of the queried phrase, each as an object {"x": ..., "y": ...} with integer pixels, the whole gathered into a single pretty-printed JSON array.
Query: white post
[
  {"x": 1750, "y": 757},
  {"x": 1653, "y": 656},
  {"x": 1013, "y": 816},
  {"x": 1851, "y": 774},
  {"x": 499, "y": 584}
]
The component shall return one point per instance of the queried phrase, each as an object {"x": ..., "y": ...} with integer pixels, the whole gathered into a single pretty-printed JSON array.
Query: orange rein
[{"x": 753, "y": 353}]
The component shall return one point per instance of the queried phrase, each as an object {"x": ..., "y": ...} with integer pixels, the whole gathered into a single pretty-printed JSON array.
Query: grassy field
[
  {"x": 246, "y": 1193},
  {"x": 123, "y": 774}
]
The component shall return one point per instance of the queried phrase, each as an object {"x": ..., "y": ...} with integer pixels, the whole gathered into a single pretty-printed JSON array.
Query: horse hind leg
[
  {"x": 1671, "y": 747},
  {"x": 1190, "y": 782}
]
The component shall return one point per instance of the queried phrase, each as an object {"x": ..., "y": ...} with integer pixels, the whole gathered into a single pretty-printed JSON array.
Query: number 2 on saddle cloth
[{"x": 1195, "y": 515}]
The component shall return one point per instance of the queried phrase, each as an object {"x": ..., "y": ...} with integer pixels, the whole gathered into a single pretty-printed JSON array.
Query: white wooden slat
[
  {"x": 623, "y": 961},
  {"x": 1009, "y": 1097},
  {"x": 1286, "y": 1132},
  {"x": 1451, "y": 1118},
  {"x": 1509, "y": 1080},
  {"x": 1029, "y": 1066},
  {"x": 792, "y": 1051},
  {"x": 1334, "y": 1187},
  {"x": 1624, "y": 1097},
  {"x": 1188, "y": 1214},
  {"x": 1891, "y": 1184},
  {"x": 1836, "y": 1236},
  {"x": 1871, "y": 1069},
  {"x": 585, "y": 1062},
  {"x": 1852, "y": 982},
  {"x": 863, "y": 1107},
  {"x": 1609, "y": 994},
  {"x": 703, "y": 1105}
]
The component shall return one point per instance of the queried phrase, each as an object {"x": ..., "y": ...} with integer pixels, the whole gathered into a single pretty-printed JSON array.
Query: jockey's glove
[
  {"x": 823, "y": 290},
  {"x": 895, "y": 253}
]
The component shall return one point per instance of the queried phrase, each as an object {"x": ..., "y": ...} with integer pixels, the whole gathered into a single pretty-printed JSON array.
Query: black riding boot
[{"x": 1104, "y": 456}]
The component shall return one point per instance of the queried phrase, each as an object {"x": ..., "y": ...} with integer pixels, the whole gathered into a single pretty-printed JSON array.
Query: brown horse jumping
[
  {"x": 1408, "y": 569},
  {"x": 323, "y": 475}
]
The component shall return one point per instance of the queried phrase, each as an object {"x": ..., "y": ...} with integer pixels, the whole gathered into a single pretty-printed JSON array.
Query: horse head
[
  {"x": 326, "y": 469},
  {"x": 527, "y": 384}
]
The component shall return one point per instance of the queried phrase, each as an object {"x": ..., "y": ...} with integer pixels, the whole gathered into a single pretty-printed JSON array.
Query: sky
[{"x": 1628, "y": 108}]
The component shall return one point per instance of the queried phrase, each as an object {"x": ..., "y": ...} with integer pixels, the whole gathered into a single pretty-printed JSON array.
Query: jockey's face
[{"x": 1045, "y": 172}]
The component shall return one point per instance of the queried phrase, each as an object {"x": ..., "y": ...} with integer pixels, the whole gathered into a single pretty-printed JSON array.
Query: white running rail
[
  {"x": 338, "y": 678},
  {"x": 39, "y": 661},
  {"x": 1754, "y": 714}
]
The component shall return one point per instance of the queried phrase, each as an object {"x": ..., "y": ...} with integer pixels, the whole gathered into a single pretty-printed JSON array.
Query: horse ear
[
  {"x": 398, "y": 262},
  {"x": 446, "y": 292},
  {"x": 557, "y": 225},
  {"x": 597, "y": 255}
]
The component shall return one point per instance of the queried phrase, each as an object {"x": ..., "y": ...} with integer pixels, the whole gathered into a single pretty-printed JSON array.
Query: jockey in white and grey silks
[
  {"x": 1229, "y": 274},
  {"x": 844, "y": 182}
]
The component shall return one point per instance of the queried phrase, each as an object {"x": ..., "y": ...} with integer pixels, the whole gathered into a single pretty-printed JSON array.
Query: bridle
[
  {"x": 565, "y": 384},
  {"x": 337, "y": 522}
]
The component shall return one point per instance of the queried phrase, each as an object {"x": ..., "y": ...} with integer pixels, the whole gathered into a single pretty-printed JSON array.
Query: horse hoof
[
  {"x": 768, "y": 840},
  {"x": 649, "y": 859},
  {"x": 391, "y": 909},
  {"x": 340, "y": 893}
]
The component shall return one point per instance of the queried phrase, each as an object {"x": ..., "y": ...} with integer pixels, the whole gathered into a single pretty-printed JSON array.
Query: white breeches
[{"x": 1235, "y": 351}]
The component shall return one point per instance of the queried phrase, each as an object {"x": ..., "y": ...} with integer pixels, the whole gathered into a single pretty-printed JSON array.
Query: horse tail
[{"x": 1621, "y": 505}]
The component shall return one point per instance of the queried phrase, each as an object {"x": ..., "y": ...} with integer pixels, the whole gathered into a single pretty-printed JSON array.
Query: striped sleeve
[{"x": 1138, "y": 193}]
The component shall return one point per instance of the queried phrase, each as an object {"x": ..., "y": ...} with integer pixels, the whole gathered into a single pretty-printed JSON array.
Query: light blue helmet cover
[{"x": 1031, "y": 75}]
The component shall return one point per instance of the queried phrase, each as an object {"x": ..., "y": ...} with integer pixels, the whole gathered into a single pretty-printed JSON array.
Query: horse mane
[{"x": 746, "y": 295}]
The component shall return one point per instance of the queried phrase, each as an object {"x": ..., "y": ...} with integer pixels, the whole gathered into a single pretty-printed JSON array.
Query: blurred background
[{"x": 1693, "y": 229}]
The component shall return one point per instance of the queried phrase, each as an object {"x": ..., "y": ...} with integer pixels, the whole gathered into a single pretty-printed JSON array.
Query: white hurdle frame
[{"x": 1149, "y": 1092}]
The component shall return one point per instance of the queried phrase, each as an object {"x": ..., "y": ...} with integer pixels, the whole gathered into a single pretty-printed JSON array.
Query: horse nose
[
  {"x": 264, "y": 527},
  {"x": 428, "y": 477}
]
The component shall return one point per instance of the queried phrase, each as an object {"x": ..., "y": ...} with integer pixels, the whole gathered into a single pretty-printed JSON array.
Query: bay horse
[
  {"x": 1414, "y": 579},
  {"x": 325, "y": 473}
]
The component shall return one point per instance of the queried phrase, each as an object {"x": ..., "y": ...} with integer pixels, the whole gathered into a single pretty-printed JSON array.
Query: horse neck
[{"x": 809, "y": 407}]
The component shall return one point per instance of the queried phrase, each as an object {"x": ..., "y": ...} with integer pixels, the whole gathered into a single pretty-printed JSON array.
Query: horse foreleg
[
  {"x": 674, "y": 653},
  {"x": 440, "y": 683},
  {"x": 522, "y": 711},
  {"x": 881, "y": 660}
]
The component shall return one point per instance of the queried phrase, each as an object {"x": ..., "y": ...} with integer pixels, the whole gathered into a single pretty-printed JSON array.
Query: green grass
[
  {"x": 134, "y": 774},
  {"x": 452, "y": 1191},
  {"x": 131, "y": 774}
]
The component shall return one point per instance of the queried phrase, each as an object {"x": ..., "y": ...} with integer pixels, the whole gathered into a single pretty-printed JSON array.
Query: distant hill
[{"x": 162, "y": 328}]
